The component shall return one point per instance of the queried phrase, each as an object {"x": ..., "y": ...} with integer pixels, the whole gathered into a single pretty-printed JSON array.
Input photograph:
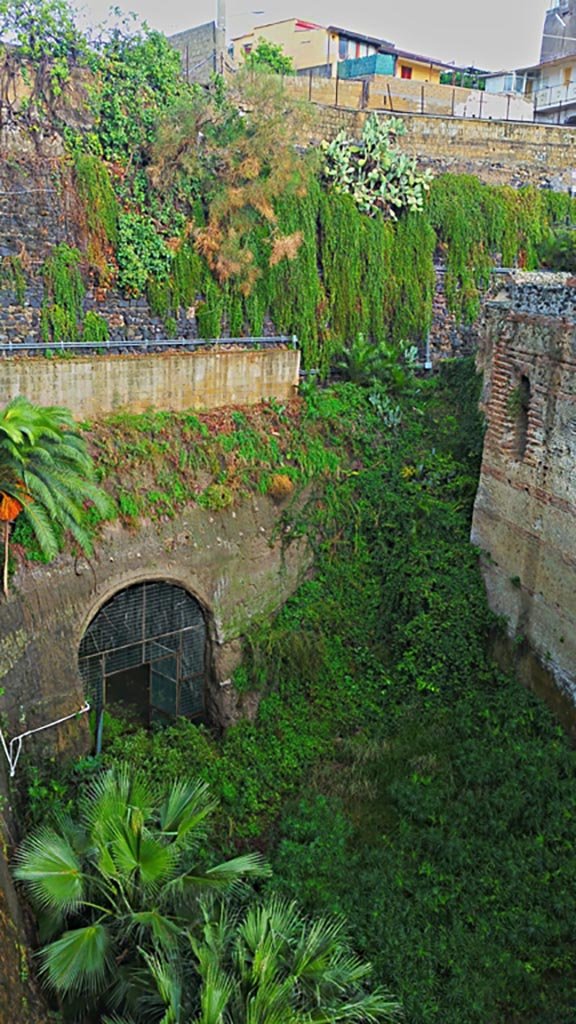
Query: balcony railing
[{"x": 552, "y": 97}]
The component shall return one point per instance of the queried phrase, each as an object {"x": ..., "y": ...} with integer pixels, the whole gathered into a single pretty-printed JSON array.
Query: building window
[
  {"x": 247, "y": 47},
  {"x": 567, "y": 76},
  {"x": 405, "y": 71},
  {"x": 342, "y": 48}
]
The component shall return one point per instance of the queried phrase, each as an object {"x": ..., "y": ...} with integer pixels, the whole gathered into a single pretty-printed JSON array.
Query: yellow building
[
  {"x": 306, "y": 43},
  {"x": 418, "y": 68},
  {"x": 326, "y": 50},
  {"x": 309, "y": 45}
]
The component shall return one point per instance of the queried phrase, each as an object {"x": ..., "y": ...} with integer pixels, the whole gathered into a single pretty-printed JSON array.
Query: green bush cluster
[{"x": 559, "y": 251}]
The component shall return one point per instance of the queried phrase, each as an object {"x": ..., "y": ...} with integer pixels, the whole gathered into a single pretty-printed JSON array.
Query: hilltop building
[
  {"x": 550, "y": 84},
  {"x": 333, "y": 51}
]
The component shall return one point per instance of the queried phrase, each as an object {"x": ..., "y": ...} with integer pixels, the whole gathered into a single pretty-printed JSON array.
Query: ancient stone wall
[
  {"x": 525, "y": 511},
  {"x": 93, "y": 386},
  {"x": 37, "y": 205},
  {"x": 236, "y": 562}
]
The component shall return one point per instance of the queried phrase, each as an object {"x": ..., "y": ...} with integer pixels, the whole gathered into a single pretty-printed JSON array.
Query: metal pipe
[{"x": 40, "y": 348}]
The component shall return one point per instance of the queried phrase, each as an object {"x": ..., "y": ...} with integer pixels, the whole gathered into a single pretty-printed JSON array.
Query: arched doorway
[{"x": 144, "y": 654}]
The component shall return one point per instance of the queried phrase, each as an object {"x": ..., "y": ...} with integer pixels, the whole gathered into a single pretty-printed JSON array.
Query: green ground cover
[{"x": 393, "y": 774}]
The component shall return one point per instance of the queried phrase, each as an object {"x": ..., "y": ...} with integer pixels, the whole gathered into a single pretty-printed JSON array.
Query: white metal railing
[{"x": 552, "y": 96}]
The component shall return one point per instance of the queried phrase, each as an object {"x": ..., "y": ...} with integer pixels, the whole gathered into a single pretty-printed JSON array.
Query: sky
[{"x": 492, "y": 34}]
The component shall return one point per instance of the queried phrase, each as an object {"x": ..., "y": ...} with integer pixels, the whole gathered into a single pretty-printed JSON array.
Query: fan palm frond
[
  {"x": 45, "y": 465},
  {"x": 185, "y": 808},
  {"x": 50, "y": 867},
  {"x": 79, "y": 961}
]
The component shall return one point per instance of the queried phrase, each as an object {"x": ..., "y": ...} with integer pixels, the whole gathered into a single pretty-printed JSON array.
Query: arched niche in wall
[
  {"x": 523, "y": 410},
  {"x": 144, "y": 655}
]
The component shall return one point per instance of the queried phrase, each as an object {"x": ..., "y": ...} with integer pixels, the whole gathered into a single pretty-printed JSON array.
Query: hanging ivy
[
  {"x": 64, "y": 291},
  {"x": 415, "y": 278},
  {"x": 295, "y": 291},
  {"x": 13, "y": 277}
]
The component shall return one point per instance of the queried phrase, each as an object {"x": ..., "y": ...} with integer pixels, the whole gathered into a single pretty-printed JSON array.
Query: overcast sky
[{"x": 492, "y": 34}]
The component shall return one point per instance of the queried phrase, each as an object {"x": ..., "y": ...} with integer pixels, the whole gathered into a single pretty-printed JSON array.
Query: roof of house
[
  {"x": 386, "y": 47},
  {"x": 376, "y": 40},
  {"x": 299, "y": 24},
  {"x": 420, "y": 59},
  {"x": 549, "y": 63}
]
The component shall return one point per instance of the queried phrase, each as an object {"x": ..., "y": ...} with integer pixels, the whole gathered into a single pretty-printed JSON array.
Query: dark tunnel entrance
[{"x": 144, "y": 655}]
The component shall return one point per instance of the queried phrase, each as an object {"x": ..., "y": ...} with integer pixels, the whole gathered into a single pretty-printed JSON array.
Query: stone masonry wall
[
  {"x": 235, "y": 562},
  {"x": 525, "y": 510},
  {"x": 497, "y": 152},
  {"x": 37, "y": 206}
]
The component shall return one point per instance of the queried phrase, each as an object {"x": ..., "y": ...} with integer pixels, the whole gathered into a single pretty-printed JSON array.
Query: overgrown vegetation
[
  {"x": 203, "y": 201},
  {"x": 393, "y": 774},
  {"x": 559, "y": 251},
  {"x": 64, "y": 292}
]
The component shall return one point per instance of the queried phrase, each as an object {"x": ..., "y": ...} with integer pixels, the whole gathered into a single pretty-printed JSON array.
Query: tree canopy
[{"x": 267, "y": 56}]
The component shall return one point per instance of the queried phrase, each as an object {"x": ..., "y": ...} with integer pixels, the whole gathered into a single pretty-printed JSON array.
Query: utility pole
[{"x": 220, "y": 40}]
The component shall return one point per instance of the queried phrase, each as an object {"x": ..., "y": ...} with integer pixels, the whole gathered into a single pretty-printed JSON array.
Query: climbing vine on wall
[
  {"x": 478, "y": 225},
  {"x": 100, "y": 207},
  {"x": 64, "y": 295},
  {"x": 13, "y": 277}
]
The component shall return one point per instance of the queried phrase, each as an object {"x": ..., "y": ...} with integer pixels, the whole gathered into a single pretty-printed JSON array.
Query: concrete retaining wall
[
  {"x": 93, "y": 386},
  {"x": 397, "y": 95}
]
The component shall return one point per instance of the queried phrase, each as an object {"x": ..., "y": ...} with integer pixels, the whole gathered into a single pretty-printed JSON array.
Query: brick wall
[{"x": 525, "y": 511}]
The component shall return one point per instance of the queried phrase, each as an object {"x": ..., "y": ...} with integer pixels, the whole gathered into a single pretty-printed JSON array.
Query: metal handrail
[{"x": 40, "y": 348}]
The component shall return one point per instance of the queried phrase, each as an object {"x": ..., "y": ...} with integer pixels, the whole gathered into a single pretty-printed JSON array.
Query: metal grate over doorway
[{"x": 145, "y": 652}]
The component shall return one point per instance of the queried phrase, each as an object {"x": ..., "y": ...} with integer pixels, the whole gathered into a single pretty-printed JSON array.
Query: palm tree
[
  {"x": 271, "y": 965},
  {"x": 367, "y": 363},
  {"x": 124, "y": 880},
  {"x": 47, "y": 475}
]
